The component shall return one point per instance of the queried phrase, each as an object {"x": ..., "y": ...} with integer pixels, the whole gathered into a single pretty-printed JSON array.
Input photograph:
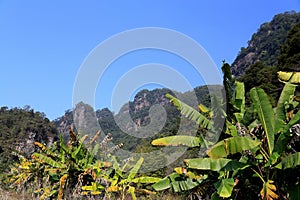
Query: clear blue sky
[{"x": 43, "y": 43}]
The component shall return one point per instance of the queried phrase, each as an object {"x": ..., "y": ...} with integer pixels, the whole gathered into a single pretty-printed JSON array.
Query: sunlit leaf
[
  {"x": 214, "y": 164},
  {"x": 225, "y": 187},
  {"x": 232, "y": 145},
  {"x": 146, "y": 179},
  {"x": 177, "y": 140},
  {"x": 265, "y": 114},
  {"x": 135, "y": 169},
  {"x": 291, "y": 77},
  {"x": 190, "y": 112}
]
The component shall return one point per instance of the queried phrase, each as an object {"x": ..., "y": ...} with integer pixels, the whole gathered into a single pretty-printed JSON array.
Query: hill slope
[
  {"x": 265, "y": 45},
  {"x": 19, "y": 128}
]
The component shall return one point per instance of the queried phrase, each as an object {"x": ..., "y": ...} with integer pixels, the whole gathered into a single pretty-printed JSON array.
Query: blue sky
[{"x": 44, "y": 43}]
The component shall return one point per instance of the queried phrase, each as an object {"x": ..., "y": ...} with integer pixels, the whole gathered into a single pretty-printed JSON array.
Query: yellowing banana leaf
[
  {"x": 131, "y": 191},
  {"x": 265, "y": 113},
  {"x": 291, "y": 161},
  {"x": 177, "y": 140},
  {"x": 135, "y": 169},
  {"x": 93, "y": 188},
  {"x": 113, "y": 188},
  {"x": 145, "y": 191},
  {"x": 49, "y": 161},
  {"x": 291, "y": 77},
  {"x": 204, "y": 109},
  {"x": 225, "y": 187},
  {"x": 62, "y": 183},
  {"x": 146, "y": 179},
  {"x": 268, "y": 191},
  {"x": 232, "y": 145}
]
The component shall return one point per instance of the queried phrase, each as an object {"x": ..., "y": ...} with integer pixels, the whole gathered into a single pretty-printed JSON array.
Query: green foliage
[
  {"x": 265, "y": 45},
  {"x": 19, "y": 128},
  {"x": 231, "y": 146},
  {"x": 214, "y": 164},
  {"x": 265, "y": 114},
  {"x": 291, "y": 161},
  {"x": 178, "y": 140},
  {"x": 72, "y": 170},
  {"x": 190, "y": 112},
  {"x": 248, "y": 152},
  {"x": 290, "y": 54},
  {"x": 224, "y": 187}
]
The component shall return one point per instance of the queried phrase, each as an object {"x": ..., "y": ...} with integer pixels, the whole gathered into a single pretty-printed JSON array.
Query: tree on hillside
[{"x": 289, "y": 60}]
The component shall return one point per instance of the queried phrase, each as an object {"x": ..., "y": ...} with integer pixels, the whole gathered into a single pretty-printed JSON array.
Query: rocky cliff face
[
  {"x": 19, "y": 129},
  {"x": 265, "y": 45}
]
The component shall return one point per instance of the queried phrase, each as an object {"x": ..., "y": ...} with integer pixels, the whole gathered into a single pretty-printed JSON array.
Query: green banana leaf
[
  {"x": 232, "y": 145},
  {"x": 280, "y": 113},
  {"x": 291, "y": 161},
  {"x": 239, "y": 102},
  {"x": 177, "y": 183},
  {"x": 178, "y": 140},
  {"x": 190, "y": 112},
  {"x": 220, "y": 164},
  {"x": 225, "y": 187},
  {"x": 163, "y": 184},
  {"x": 135, "y": 169},
  {"x": 281, "y": 142},
  {"x": 49, "y": 161},
  {"x": 146, "y": 179},
  {"x": 265, "y": 114}
]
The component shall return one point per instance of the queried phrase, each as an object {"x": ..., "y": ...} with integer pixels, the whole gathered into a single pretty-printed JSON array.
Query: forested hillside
[
  {"x": 265, "y": 45},
  {"x": 275, "y": 47},
  {"x": 19, "y": 129}
]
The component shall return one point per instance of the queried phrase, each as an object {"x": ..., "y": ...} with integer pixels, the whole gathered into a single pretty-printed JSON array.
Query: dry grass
[{"x": 12, "y": 195}]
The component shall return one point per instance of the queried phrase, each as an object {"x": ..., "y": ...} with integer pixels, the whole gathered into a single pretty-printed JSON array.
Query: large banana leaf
[
  {"x": 291, "y": 77},
  {"x": 232, "y": 145},
  {"x": 163, "y": 184},
  {"x": 135, "y": 169},
  {"x": 268, "y": 191},
  {"x": 265, "y": 114},
  {"x": 287, "y": 92},
  {"x": 239, "y": 102},
  {"x": 177, "y": 183},
  {"x": 177, "y": 140},
  {"x": 225, "y": 187},
  {"x": 190, "y": 112},
  {"x": 49, "y": 161},
  {"x": 146, "y": 179},
  {"x": 281, "y": 142},
  {"x": 221, "y": 164},
  {"x": 291, "y": 161}
]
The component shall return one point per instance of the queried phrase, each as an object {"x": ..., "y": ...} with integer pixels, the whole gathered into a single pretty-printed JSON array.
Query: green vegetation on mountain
[
  {"x": 19, "y": 129},
  {"x": 263, "y": 73},
  {"x": 250, "y": 160},
  {"x": 265, "y": 45}
]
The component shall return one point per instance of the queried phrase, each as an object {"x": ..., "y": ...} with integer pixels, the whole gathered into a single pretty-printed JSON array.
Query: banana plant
[
  {"x": 119, "y": 182},
  {"x": 259, "y": 148},
  {"x": 63, "y": 166}
]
